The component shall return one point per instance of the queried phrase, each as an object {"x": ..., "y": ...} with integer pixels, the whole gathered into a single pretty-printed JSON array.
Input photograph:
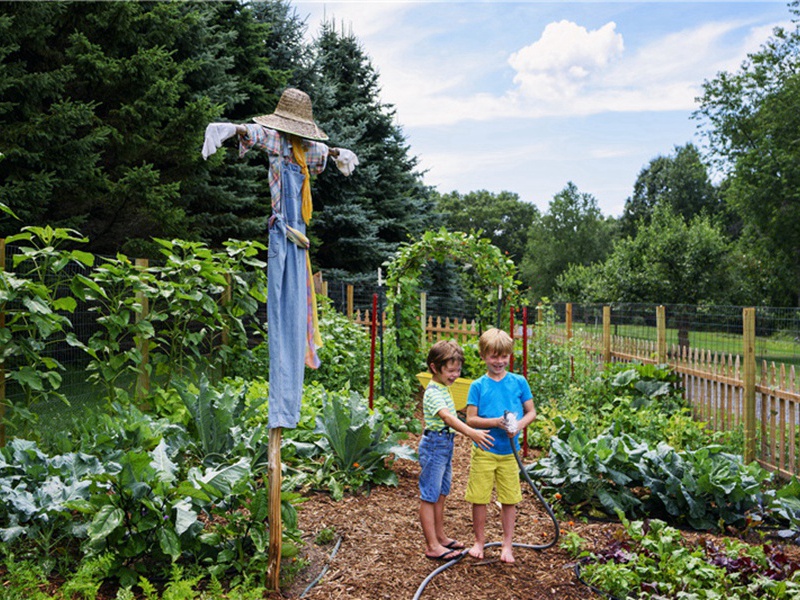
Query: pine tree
[
  {"x": 361, "y": 219},
  {"x": 104, "y": 113}
]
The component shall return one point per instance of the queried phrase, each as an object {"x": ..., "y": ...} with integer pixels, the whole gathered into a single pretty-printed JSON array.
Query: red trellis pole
[
  {"x": 374, "y": 333},
  {"x": 511, "y": 332},
  {"x": 525, "y": 370}
]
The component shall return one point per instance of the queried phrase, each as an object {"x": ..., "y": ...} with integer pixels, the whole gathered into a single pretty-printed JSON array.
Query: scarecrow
[{"x": 294, "y": 144}]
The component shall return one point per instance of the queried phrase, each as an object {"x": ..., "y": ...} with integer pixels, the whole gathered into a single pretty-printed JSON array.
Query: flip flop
[
  {"x": 443, "y": 555},
  {"x": 454, "y": 545}
]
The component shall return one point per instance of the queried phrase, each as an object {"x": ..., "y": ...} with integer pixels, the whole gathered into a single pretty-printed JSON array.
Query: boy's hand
[{"x": 482, "y": 438}]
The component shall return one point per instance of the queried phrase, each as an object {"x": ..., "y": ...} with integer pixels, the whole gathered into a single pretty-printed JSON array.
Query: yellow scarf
[
  {"x": 300, "y": 158},
  {"x": 306, "y": 209}
]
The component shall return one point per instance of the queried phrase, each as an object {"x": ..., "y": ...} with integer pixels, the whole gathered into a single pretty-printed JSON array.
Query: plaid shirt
[{"x": 270, "y": 141}]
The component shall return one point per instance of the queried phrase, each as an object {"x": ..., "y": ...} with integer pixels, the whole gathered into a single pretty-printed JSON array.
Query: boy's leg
[
  {"x": 508, "y": 516},
  {"x": 479, "y": 529},
  {"x": 509, "y": 494},
  {"x": 427, "y": 518}
]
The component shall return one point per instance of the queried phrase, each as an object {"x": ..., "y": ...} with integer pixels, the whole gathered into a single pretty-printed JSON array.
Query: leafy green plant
[
  {"x": 116, "y": 291},
  {"x": 36, "y": 493},
  {"x": 705, "y": 488},
  {"x": 349, "y": 449},
  {"x": 188, "y": 310},
  {"x": 218, "y": 415},
  {"x": 34, "y": 303},
  {"x": 652, "y": 560}
]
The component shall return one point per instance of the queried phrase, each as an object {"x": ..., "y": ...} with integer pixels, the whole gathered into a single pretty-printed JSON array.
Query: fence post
[
  {"x": 539, "y": 313},
  {"x": 749, "y": 357},
  {"x": 143, "y": 378},
  {"x": 569, "y": 320},
  {"x": 606, "y": 334},
  {"x": 2, "y": 366},
  {"x": 661, "y": 335},
  {"x": 350, "y": 301}
]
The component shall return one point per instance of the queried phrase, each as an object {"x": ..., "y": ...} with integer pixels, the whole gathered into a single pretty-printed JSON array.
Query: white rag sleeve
[
  {"x": 346, "y": 161},
  {"x": 216, "y": 133}
]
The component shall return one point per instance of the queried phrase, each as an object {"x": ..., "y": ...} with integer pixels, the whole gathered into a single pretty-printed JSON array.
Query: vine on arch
[{"x": 490, "y": 269}]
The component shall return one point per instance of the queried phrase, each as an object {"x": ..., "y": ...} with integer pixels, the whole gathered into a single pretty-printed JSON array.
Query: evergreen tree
[
  {"x": 360, "y": 220},
  {"x": 105, "y": 109}
]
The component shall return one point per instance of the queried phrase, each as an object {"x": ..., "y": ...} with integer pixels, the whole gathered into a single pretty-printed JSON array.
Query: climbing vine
[{"x": 490, "y": 272}]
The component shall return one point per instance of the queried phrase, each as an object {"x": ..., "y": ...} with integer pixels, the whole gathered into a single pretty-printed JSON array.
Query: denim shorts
[{"x": 435, "y": 458}]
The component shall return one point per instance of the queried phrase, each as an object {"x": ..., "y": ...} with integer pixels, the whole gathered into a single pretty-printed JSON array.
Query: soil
[{"x": 381, "y": 554}]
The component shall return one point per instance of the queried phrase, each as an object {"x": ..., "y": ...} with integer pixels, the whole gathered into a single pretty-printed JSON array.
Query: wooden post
[
  {"x": 569, "y": 320},
  {"x": 661, "y": 335},
  {"x": 423, "y": 319},
  {"x": 350, "y": 301},
  {"x": 2, "y": 365},
  {"x": 749, "y": 377},
  {"x": 606, "y": 335},
  {"x": 275, "y": 521},
  {"x": 225, "y": 300},
  {"x": 539, "y": 314},
  {"x": 143, "y": 378}
]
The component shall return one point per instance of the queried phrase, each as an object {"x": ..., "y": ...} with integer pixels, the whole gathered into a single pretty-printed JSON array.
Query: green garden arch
[{"x": 493, "y": 275}]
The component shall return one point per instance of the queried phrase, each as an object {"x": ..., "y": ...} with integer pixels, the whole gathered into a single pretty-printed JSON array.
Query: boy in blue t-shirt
[
  {"x": 436, "y": 448},
  {"x": 490, "y": 396}
]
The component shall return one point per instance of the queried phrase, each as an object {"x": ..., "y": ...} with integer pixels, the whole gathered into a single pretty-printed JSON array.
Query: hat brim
[{"x": 299, "y": 128}]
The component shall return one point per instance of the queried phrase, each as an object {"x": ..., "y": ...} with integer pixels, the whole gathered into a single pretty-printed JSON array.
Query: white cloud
[{"x": 559, "y": 63}]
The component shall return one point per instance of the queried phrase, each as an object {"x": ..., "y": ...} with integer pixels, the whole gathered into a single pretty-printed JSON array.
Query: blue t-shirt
[{"x": 492, "y": 398}]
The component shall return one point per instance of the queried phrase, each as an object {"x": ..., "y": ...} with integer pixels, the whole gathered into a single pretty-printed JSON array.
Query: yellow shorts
[{"x": 486, "y": 470}]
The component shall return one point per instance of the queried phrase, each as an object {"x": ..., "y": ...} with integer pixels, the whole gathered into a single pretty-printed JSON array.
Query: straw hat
[{"x": 293, "y": 115}]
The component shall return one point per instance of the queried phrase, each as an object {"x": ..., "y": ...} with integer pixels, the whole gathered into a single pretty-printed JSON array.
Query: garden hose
[{"x": 549, "y": 544}]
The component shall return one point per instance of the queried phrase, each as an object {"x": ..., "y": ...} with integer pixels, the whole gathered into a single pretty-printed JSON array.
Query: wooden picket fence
[{"x": 721, "y": 388}]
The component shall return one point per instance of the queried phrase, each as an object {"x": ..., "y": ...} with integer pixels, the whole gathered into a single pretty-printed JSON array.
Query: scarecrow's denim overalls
[{"x": 286, "y": 301}]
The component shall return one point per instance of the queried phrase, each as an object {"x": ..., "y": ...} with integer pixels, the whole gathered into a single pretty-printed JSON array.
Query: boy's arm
[
  {"x": 473, "y": 420},
  {"x": 530, "y": 414},
  {"x": 479, "y": 436}
]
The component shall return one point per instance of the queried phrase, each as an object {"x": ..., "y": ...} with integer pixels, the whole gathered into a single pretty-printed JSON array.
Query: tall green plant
[
  {"x": 187, "y": 312},
  {"x": 114, "y": 291},
  {"x": 34, "y": 300}
]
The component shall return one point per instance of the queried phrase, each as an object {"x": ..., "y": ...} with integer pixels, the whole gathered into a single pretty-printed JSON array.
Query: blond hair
[
  {"x": 442, "y": 352},
  {"x": 495, "y": 341}
]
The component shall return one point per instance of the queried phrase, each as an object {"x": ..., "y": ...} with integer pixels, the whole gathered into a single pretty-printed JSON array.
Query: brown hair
[
  {"x": 442, "y": 352},
  {"x": 495, "y": 341}
]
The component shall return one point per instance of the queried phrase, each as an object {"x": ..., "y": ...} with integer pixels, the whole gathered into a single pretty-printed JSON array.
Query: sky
[{"x": 528, "y": 96}]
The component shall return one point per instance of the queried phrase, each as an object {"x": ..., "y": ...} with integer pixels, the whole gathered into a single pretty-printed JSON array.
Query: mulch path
[{"x": 381, "y": 554}]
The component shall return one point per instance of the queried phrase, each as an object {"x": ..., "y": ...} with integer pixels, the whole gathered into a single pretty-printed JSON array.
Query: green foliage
[
  {"x": 680, "y": 181},
  {"x": 668, "y": 261},
  {"x": 752, "y": 123},
  {"x": 652, "y": 559},
  {"x": 124, "y": 98},
  {"x": 572, "y": 232},
  {"x": 490, "y": 268},
  {"x": 344, "y": 357},
  {"x": 704, "y": 488},
  {"x": 350, "y": 450},
  {"x": 501, "y": 216},
  {"x": 34, "y": 303}
]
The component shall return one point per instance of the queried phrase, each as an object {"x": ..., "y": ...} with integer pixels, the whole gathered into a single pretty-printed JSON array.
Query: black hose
[
  {"x": 550, "y": 544},
  {"x": 324, "y": 569}
]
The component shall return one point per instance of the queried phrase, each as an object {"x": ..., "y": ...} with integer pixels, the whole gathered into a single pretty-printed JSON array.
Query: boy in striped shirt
[{"x": 436, "y": 447}]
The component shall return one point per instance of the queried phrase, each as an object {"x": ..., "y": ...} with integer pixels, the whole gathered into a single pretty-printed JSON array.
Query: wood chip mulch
[{"x": 381, "y": 555}]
